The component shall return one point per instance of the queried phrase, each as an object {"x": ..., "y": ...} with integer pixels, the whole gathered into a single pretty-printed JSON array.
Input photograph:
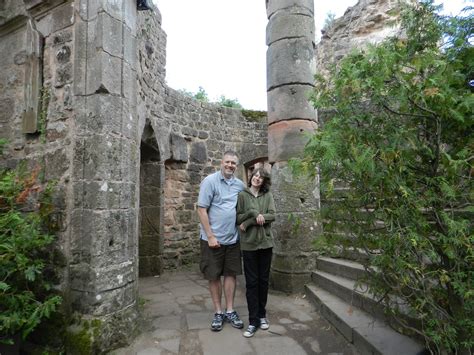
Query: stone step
[
  {"x": 357, "y": 295},
  {"x": 349, "y": 291},
  {"x": 341, "y": 267},
  {"x": 355, "y": 254},
  {"x": 368, "y": 334}
]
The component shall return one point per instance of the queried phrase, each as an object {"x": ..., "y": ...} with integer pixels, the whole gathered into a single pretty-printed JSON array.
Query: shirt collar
[{"x": 227, "y": 181}]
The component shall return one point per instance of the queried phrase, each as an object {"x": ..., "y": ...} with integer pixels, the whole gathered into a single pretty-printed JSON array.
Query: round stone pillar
[{"x": 290, "y": 77}]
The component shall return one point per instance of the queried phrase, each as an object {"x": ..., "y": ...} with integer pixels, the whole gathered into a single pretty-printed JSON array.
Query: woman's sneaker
[
  {"x": 251, "y": 329},
  {"x": 217, "y": 322},
  {"x": 233, "y": 318},
  {"x": 264, "y": 325}
]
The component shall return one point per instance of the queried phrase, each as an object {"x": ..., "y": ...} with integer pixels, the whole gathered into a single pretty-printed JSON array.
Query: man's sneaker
[
  {"x": 233, "y": 318},
  {"x": 251, "y": 329},
  {"x": 217, "y": 322},
  {"x": 264, "y": 325}
]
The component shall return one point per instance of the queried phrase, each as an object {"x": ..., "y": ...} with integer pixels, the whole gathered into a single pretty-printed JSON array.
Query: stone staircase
[{"x": 353, "y": 311}]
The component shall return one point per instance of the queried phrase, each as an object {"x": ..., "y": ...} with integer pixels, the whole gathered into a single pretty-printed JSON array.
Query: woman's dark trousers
[{"x": 257, "y": 272}]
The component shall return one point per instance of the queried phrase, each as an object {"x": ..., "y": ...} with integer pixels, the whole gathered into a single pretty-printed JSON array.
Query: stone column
[
  {"x": 103, "y": 242},
  {"x": 290, "y": 77}
]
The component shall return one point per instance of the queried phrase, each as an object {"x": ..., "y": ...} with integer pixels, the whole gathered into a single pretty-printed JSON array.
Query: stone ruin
[{"x": 83, "y": 95}]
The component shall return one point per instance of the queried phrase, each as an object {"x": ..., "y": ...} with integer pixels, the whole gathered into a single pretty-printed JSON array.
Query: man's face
[{"x": 228, "y": 165}]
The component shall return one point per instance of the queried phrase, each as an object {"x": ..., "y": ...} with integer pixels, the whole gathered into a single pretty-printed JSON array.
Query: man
[{"x": 220, "y": 246}]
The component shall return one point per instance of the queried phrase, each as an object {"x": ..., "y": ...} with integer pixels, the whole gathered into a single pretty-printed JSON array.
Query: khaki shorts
[{"x": 223, "y": 261}]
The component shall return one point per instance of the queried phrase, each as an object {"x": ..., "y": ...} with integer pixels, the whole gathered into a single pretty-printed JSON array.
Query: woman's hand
[
  {"x": 260, "y": 220},
  {"x": 242, "y": 227}
]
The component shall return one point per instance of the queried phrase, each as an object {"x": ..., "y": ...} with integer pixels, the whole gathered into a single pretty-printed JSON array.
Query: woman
[{"x": 255, "y": 213}]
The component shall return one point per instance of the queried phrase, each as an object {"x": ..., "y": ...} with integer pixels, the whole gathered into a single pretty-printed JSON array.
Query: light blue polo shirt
[{"x": 219, "y": 196}]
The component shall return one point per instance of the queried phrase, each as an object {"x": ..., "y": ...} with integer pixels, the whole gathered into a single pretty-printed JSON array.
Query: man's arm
[{"x": 204, "y": 219}]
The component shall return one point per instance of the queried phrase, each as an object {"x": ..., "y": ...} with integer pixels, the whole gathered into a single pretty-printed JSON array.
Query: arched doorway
[{"x": 150, "y": 240}]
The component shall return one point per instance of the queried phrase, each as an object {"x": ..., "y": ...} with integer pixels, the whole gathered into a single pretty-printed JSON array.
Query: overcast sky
[{"x": 220, "y": 45}]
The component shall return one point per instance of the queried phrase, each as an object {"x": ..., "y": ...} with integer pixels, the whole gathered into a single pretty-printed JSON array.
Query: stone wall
[
  {"x": 36, "y": 56},
  {"x": 190, "y": 138},
  {"x": 368, "y": 21}
]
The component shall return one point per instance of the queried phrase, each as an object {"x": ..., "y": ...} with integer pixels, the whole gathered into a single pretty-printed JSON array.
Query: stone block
[
  {"x": 289, "y": 25},
  {"x": 63, "y": 75},
  {"x": 102, "y": 303},
  {"x": 288, "y": 282},
  {"x": 63, "y": 37},
  {"x": 179, "y": 148},
  {"x": 130, "y": 162},
  {"x": 56, "y": 164},
  {"x": 80, "y": 57},
  {"x": 106, "y": 235},
  {"x": 303, "y": 6},
  {"x": 130, "y": 15},
  {"x": 44, "y": 25},
  {"x": 98, "y": 194},
  {"x": 151, "y": 221},
  {"x": 295, "y": 232},
  {"x": 99, "y": 157},
  {"x": 286, "y": 139},
  {"x": 129, "y": 83},
  {"x": 129, "y": 118},
  {"x": 108, "y": 35},
  {"x": 105, "y": 73},
  {"x": 91, "y": 9},
  {"x": 62, "y": 17},
  {"x": 198, "y": 153},
  {"x": 128, "y": 193},
  {"x": 150, "y": 174},
  {"x": 81, "y": 277},
  {"x": 294, "y": 193},
  {"x": 289, "y": 102},
  {"x": 33, "y": 80},
  {"x": 290, "y": 61},
  {"x": 129, "y": 48},
  {"x": 150, "y": 196}
]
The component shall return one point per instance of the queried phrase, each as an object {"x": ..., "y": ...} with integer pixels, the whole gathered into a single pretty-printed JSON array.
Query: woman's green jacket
[{"x": 248, "y": 208}]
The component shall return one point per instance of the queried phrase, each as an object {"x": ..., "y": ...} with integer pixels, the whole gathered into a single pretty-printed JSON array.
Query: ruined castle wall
[
  {"x": 36, "y": 56},
  {"x": 368, "y": 21},
  {"x": 191, "y": 136},
  {"x": 76, "y": 56}
]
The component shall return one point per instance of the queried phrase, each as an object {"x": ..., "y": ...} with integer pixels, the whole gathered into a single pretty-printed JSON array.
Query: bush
[
  {"x": 26, "y": 294},
  {"x": 396, "y": 166}
]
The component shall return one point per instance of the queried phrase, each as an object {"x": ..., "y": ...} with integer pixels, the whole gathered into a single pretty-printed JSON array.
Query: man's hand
[
  {"x": 242, "y": 227},
  {"x": 213, "y": 242},
  {"x": 260, "y": 220}
]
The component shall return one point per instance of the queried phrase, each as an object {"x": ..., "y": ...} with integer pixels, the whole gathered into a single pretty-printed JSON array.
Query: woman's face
[{"x": 257, "y": 180}]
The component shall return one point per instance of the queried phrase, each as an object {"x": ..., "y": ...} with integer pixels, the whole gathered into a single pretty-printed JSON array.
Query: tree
[
  {"x": 396, "y": 165},
  {"x": 202, "y": 95},
  {"x": 234, "y": 103},
  {"x": 27, "y": 255}
]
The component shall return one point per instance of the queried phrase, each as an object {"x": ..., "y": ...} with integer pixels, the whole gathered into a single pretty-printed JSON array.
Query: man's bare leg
[
  {"x": 229, "y": 292},
  {"x": 215, "y": 288}
]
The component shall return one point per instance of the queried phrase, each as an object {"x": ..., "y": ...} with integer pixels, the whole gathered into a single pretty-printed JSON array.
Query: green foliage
[
  {"x": 26, "y": 294},
  {"x": 255, "y": 116},
  {"x": 234, "y": 103},
  {"x": 396, "y": 165},
  {"x": 202, "y": 95}
]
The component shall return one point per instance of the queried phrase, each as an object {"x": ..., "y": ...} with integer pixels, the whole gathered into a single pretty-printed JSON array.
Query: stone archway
[{"x": 150, "y": 240}]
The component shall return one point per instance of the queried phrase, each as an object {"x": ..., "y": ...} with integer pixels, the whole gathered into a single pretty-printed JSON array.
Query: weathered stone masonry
[{"x": 127, "y": 152}]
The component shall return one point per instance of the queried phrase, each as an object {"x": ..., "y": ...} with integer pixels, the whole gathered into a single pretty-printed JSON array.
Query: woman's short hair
[{"x": 266, "y": 179}]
